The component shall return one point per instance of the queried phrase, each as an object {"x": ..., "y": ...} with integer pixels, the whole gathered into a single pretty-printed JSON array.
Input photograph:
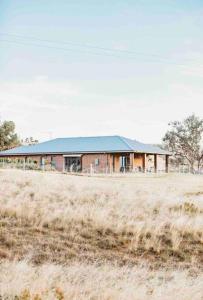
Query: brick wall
[
  {"x": 105, "y": 162},
  {"x": 53, "y": 161},
  {"x": 58, "y": 162},
  {"x": 92, "y": 159}
]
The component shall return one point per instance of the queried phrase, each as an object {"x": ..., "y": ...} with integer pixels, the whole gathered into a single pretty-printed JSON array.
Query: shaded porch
[{"x": 140, "y": 162}]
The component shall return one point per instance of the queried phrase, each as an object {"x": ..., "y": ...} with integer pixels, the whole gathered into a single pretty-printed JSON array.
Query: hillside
[{"x": 74, "y": 237}]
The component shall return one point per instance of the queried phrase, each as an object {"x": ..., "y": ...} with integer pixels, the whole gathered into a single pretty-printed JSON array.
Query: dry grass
[
  {"x": 84, "y": 281},
  {"x": 70, "y": 237}
]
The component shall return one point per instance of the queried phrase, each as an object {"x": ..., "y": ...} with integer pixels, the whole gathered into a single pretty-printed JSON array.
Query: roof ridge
[
  {"x": 85, "y": 136},
  {"x": 123, "y": 139}
]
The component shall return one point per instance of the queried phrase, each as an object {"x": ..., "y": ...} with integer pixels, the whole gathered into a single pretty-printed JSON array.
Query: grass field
[{"x": 75, "y": 237}]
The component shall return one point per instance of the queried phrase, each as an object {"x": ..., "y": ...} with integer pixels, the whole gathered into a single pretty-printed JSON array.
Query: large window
[
  {"x": 124, "y": 163},
  {"x": 72, "y": 164}
]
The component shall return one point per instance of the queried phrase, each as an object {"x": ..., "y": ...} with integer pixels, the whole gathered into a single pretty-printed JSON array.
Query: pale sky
[{"x": 57, "y": 79}]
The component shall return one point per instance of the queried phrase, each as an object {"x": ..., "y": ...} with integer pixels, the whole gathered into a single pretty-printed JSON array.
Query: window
[{"x": 96, "y": 162}]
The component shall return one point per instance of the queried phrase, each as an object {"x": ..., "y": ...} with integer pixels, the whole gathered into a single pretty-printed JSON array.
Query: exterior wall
[
  {"x": 138, "y": 161},
  {"x": 20, "y": 159},
  {"x": 37, "y": 159},
  {"x": 106, "y": 162},
  {"x": 55, "y": 161},
  {"x": 161, "y": 163},
  {"x": 44, "y": 162},
  {"x": 110, "y": 163},
  {"x": 91, "y": 159},
  {"x": 58, "y": 162},
  {"x": 116, "y": 163},
  {"x": 150, "y": 162},
  {"x": 50, "y": 162}
]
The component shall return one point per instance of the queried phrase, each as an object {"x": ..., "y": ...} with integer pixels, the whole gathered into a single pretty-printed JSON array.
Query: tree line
[{"x": 183, "y": 139}]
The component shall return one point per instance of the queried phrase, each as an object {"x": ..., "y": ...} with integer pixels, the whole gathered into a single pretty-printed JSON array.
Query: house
[{"x": 91, "y": 154}]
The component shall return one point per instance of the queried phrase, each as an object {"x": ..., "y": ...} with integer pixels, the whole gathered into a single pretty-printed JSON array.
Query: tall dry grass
[
  {"x": 88, "y": 238},
  {"x": 81, "y": 281}
]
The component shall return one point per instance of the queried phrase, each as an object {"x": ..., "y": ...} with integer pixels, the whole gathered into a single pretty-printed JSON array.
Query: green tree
[
  {"x": 29, "y": 141},
  {"x": 8, "y": 137},
  {"x": 184, "y": 139}
]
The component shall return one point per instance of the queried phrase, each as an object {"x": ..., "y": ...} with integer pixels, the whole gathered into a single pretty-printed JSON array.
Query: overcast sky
[{"x": 58, "y": 78}]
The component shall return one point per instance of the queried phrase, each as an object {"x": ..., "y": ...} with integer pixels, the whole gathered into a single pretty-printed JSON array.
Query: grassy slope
[{"x": 100, "y": 237}]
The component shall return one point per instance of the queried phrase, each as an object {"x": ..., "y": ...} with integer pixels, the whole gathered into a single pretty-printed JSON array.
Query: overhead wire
[{"x": 86, "y": 49}]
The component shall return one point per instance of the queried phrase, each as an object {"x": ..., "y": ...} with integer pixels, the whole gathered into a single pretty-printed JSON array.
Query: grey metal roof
[{"x": 86, "y": 145}]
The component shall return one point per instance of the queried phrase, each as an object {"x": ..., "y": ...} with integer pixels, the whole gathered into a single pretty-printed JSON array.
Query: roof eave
[{"x": 82, "y": 152}]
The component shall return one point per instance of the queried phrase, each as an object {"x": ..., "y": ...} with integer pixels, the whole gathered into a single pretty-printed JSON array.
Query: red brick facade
[
  {"x": 53, "y": 162},
  {"x": 58, "y": 162},
  {"x": 98, "y": 162}
]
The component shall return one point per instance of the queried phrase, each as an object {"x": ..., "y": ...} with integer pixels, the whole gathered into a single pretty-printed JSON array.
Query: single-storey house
[{"x": 91, "y": 154}]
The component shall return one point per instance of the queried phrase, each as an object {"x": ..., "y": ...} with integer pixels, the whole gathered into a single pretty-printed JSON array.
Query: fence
[
  {"x": 186, "y": 169},
  {"x": 23, "y": 165},
  {"x": 183, "y": 169}
]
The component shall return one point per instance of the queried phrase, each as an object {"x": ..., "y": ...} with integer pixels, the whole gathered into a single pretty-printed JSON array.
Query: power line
[
  {"x": 115, "y": 52},
  {"x": 57, "y": 48},
  {"x": 85, "y": 46},
  {"x": 62, "y": 49},
  {"x": 122, "y": 51}
]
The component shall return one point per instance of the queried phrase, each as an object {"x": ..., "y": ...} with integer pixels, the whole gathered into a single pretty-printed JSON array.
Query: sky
[{"x": 82, "y": 68}]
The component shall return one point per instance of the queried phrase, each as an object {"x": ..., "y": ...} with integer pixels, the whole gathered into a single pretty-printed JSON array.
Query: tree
[
  {"x": 8, "y": 137},
  {"x": 29, "y": 141},
  {"x": 184, "y": 139}
]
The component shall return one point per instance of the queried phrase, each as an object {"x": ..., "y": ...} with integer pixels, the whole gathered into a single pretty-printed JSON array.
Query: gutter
[{"x": 80, "y": 153}]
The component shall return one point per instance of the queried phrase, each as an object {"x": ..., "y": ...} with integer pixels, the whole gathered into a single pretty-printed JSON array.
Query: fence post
[{"x": 91, "y": 169}]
